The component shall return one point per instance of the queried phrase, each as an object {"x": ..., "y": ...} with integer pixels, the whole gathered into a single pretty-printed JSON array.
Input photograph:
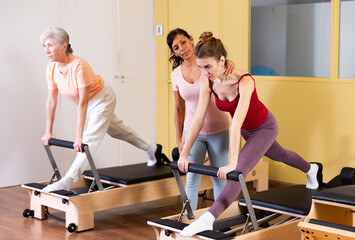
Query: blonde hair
[
  {"x": 209, "y": 46},
  {"x": 59, "y": 36}
]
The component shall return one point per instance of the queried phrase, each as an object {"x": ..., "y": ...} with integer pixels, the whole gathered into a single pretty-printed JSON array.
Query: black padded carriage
[
  {"x": 297, "y": 199},
  {"x": 294, "y": 199},
  {"x": 131, "y": 174},
  {"x": 342, "y": 194}
]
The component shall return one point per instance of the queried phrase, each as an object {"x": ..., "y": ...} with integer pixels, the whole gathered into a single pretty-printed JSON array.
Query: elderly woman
[{"x": 73, "y": 77}]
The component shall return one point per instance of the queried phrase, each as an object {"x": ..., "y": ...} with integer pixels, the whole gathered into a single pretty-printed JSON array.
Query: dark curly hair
[{"x": 169, "y": 39}]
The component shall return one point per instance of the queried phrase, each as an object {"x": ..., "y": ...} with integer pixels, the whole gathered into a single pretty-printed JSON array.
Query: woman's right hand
[
  {"x": 46, "y": 138},
  {"x": 183, "y": 164}
]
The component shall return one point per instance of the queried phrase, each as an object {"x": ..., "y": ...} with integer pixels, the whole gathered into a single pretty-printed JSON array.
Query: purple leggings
[{"x": 259, "y": 142}]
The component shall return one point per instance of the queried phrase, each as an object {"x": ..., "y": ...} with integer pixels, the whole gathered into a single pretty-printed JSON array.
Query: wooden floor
[{"x": 120, "y": 223}]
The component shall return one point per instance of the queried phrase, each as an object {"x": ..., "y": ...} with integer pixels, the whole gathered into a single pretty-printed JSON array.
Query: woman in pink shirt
[
  {"x": 213, "y": 138},
  {"x": 73, "y": 77},
  {"x": 236, "y": 94}
]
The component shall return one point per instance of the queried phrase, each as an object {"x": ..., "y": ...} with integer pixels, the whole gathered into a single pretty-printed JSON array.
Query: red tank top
[{"x": 257, "y": 112}]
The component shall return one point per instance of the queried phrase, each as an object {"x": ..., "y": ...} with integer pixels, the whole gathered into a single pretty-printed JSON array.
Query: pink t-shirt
[
  {"x": 78, "y": 75},
  {"x": 216, "y": 121}
]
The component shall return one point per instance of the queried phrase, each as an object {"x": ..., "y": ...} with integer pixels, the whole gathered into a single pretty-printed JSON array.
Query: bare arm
[
  {"x": 179, "y": 119},
  {"x": 51, "y": 106},
  {"x": 81, "y": 117},
  {"x": 196, "y": 125},
  {"x": 246, "y": 88}
]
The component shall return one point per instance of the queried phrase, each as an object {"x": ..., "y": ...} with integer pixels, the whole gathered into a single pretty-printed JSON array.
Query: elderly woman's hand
[{"x": 46, "y": 138}]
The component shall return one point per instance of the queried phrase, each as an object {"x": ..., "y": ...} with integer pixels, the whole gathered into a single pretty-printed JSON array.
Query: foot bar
[
  {"x": 234, "y": 175},
  {"x": 68, "y": 144},
  {"x": 206, "y": 170}
]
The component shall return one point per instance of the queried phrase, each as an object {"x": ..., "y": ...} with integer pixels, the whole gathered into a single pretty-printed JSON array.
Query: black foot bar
[
  {"x": 212, "y": 171},
  {"x": 67, "y": 144}
]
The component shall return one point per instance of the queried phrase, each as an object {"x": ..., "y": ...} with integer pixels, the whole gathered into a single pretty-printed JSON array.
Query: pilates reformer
[
  {"x": 101, "y": 189},
  {"x": 107, "y": 188},
  {"x": 257, "y": 212}
]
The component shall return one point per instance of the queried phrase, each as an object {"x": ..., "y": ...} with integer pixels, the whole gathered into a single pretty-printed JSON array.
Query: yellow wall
[
  {"x": 315, "y": 120},
  {"x": 315, "y": 116}
]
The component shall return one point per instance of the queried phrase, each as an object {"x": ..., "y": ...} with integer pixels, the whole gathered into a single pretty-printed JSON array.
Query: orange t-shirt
[{"x": 78, "y": 75}]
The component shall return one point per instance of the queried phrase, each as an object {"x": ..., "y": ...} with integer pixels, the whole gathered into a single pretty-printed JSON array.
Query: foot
[
  {"x": 203, "y": 223},
  {"x": 152, "y": 148},
  {"x": 62, "y": 184},
  {"x": 313, "y": 176}
]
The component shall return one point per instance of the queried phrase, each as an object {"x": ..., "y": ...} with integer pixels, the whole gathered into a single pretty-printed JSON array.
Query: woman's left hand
[
  {"x": 223, "y": 171},
  {"x": 77, "y": 144},
  {"x": 229, "y": 67}
]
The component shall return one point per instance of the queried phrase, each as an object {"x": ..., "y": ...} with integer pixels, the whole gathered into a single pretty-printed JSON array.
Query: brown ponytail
[
  {"x": 209, "y": 46},
  {"x": 206, "y": 36}
]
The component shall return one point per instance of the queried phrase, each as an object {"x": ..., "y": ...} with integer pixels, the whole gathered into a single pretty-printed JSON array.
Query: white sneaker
[
  {"x": 152, "y": 148},
  {"x": 312, "y": 181},
  {"x": 62, "y": 184},
  {"x": 203, "y": 223}
]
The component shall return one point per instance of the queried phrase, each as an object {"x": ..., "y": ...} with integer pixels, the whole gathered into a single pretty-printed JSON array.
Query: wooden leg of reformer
[
  {"x": 79, "y": 214},
  {"x": 83, "y": 221},
  {"x": 36, "y": 206}
]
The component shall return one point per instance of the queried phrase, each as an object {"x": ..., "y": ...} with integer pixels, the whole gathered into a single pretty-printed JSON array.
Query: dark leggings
[{"x": 259, "y": 142}]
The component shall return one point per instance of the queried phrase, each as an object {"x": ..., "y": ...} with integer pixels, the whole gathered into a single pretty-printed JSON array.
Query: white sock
[
  {"x": 203, "y": 223},
  {"x": 152, "y": 148},
  {"x": 312, "y": 182},
  {"x": 62, "y": 184}
]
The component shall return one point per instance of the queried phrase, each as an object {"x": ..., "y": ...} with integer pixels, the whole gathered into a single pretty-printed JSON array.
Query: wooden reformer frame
[{"x": 331, "y": 218}]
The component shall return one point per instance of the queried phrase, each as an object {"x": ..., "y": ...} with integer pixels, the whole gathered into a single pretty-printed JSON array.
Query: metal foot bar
[
  {"x": 54, "y": 165},
  {"x": 185, "y": 200},
  {"x": 212, "y": 171},
  {"x": 67, "y": 144}
]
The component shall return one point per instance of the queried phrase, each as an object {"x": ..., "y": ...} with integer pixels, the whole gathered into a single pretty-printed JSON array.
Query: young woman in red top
[{"x": 236, "y": 94}]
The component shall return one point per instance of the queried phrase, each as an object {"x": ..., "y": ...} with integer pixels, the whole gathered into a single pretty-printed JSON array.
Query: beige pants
[{"x": 101, "y": 120}]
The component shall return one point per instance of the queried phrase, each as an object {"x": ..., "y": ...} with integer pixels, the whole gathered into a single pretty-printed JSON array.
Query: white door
[
  {"x": 118, "y": 42},
  {"x": 136, "y": 95},
  {"x": 120, "y": 47}
]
